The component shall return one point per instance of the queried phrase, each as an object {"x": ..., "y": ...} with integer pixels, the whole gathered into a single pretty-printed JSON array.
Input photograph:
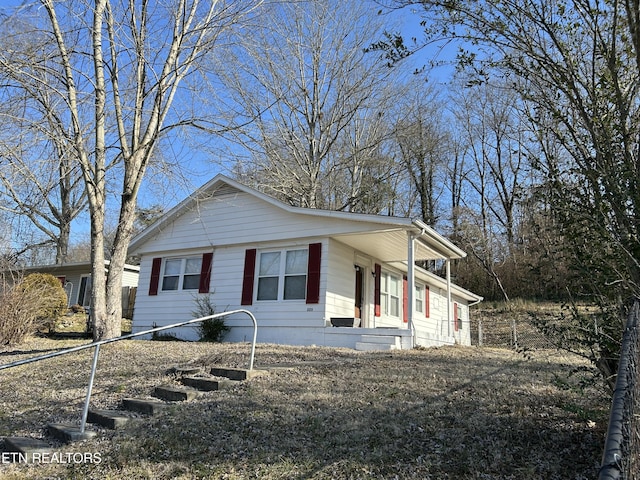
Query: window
[
  {"x": 419, "y": 289},
  {"x": 282, "y": 275},
  {"x": 458, "y": 316},
  {"x": 181, "y": 273},
  {"x": 390, "y": 294},
  {"x": 84, "y": 292}
]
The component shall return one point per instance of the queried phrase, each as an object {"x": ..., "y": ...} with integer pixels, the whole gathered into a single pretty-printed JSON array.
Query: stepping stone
[
  {"x": 172, "y": 393},
  {"x": 182, "y": 371},
  {"x": 236, "y": 373},
  {"x": 111, "y": 419},
  {"x": 149, "y": 407},
  {"x": 67, "y": 432},
  {"x": 207, "y": 384},
  {"x": 22, "y": 449}
]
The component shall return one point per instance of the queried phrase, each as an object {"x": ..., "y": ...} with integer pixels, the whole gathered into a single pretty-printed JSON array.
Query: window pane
[
  {"x": 297, "y": 261},
  {"x": 394, "y": 284},
  {"x": 395, "y": 307},
  {"x": 295, "y": 287},
  {"x": 172, "y": 267},
  {"x": 191, "y": 282},
  {"x": 170, "y": 283},
  {"x": 193, "y": 265},
  {"x": 269, "y": 263},
  {"x": 268, "y": 288}
]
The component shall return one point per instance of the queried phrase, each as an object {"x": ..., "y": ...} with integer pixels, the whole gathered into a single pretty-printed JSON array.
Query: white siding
[
  {"x": 340, "y": 281},
  {"x": 73, "y": 289},
  {"x": 240, "y": 219},
  {"x": 130, "y": 278},
  {"x": 279, "y": 321}
]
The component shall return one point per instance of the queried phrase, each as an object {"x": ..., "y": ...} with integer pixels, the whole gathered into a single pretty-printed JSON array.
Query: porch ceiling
[{"x": 392, "y": 245}]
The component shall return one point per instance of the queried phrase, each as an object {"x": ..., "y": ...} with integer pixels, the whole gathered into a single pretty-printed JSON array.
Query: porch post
[
  {"x": 449, "y": 309},
  {"x": 411, "y": 278}
]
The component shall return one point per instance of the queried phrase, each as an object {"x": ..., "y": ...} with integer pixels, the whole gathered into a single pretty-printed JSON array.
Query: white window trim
[
  {"x": 181, "y": 275},
  {"x": 281, "y": 274},
  {"x": 419, "y": 297},
  {"x": 386, "y": 304}
]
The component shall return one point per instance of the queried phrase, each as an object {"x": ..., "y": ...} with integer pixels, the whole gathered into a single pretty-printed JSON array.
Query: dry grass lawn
[{"x": 442, "y": 413}]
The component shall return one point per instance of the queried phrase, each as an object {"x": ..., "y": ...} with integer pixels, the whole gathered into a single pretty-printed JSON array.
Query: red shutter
[
  {"x": 405, "y": 299},
  {"x": 455, "y": 317},
  {"x": 155, "y": 276},
  {"x": 63, "y": 281},
  {"x": 426, "y": 301},
  {"x": 313, "y": 273},
  {"x": 247, "y": 279},
  {"x": 205, "y": 272},
  {"x": 376, "y": 289}
]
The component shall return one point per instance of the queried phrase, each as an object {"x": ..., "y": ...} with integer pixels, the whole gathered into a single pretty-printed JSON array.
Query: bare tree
[
  {"x": 40, "y": 178},
  {"x": 310, "y": 102},
  {"x": 489, "y": 118},
  {"x": 422, "y": 138},
  {"x": 577, "y": 63},
  {"x": 119, "y": 75}
]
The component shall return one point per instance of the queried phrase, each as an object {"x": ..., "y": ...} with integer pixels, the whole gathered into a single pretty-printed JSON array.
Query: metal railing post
[
  {"x": 255, "y": 337},
  {"x": 96, "y": 353},
  {"x": 85, "y": 411}
]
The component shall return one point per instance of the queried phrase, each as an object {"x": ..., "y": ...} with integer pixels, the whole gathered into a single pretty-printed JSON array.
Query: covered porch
[{"x": 399, "y": 244}]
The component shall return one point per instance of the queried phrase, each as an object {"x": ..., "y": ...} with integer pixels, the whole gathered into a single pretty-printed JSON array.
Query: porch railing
[
  {"x": 96, "y": 353},
  {"x": 621, "y": 458}
]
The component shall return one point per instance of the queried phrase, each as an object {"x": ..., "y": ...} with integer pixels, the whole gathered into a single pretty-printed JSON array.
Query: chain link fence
[
  {"x": 621, "y": 458},
  {"x": 517, "y": 333}
]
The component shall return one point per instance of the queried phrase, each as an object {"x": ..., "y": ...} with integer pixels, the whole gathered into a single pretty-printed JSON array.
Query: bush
[
  {"x": 52, "y": 299},
  {"x": 29, "y": 304},
  {"x": 212, "y": 329}
]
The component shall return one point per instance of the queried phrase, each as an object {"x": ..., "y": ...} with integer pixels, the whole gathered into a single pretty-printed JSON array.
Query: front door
[{"x": 358, "y": 294}]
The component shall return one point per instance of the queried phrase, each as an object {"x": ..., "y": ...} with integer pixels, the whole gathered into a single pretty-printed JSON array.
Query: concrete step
[
  {"x": 67, "y": 432},
  {"x": 240, "y": 374},
  {"x": 372, "y": 347},
  {"x": 207, "y": 384},
  {"x": 173, "y": 393},
  {"x": 143, "y": 405},
  {"x": 111, "y": 419},
  {"x": 23, "y": 449},
  {"x": 384, "y": 339}
]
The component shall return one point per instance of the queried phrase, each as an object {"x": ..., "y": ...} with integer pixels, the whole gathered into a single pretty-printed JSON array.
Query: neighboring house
[
  {"x": 76, "y": 280},
  {"x": 300, "y": 271}
]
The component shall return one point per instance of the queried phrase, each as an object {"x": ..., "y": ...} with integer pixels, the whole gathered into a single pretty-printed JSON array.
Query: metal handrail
[{"x": 85, "y": 410}]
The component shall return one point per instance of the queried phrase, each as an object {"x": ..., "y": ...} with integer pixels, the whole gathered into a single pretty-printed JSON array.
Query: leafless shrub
[{"x": 28, "y": 304}]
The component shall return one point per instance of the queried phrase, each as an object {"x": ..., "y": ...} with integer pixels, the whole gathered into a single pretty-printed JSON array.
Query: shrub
[
  {"x": 52, "y": 299},
  {"x": 29, "y": 304},
  {"x": 212, "y": 329}
]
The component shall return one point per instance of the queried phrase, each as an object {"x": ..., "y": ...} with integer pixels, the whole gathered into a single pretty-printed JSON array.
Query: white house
[
  {"x": 304, "y": 273},
  {"x": 76, "y": 280}
]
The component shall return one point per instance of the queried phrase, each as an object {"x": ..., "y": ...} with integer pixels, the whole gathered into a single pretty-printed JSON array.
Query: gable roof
[{"x": 384, "y": 236}]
